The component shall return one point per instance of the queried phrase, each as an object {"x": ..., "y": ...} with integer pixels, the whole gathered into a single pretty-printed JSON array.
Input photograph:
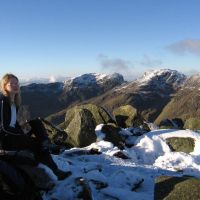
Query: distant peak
[
  {"x": 160, "y": 75},
  {"x": 93, "y": 78}
]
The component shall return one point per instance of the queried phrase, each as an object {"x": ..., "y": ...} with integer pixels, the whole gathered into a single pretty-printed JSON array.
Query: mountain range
[
  {"x": 157, "y": 95},
  {"x": 45, "y": 99}
]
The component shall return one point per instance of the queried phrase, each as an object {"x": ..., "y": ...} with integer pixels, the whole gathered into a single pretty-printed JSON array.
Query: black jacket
[{"x": 5, "y": 118}]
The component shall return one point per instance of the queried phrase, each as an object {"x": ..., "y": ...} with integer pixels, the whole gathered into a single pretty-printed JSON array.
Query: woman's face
[{"x": 12, "y": 87}]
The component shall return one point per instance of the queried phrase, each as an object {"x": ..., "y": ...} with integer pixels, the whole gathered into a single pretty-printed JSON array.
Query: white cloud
[
  {"x": 119, "y": 65},
  {"x": 115, "y": 64},
  {"x": 186, "y": 46},
  {"x": 150, "y": 62}
]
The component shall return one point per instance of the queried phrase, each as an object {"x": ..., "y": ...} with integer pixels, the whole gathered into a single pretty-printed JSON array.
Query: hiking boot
[{"x": 62, "y": 174}]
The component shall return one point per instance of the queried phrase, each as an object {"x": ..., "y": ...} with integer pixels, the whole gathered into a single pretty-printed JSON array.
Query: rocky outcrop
[
  {"x": 175, "y": 123},
  {"x": 179, "y": 144},
  {"x": 112, "y": 134},
  {"x": 100, "y": 115},
  {"x": 56, "y": 134},
  {"x": 149, "y": 94},
  {"x": 176, "y": 188},
  {"x": 81, "y": 121},
  {"x": 192, "y": 124},
  {"x": 186, "y": 102},
  {"x": 127, "y": 116},
  {"x": 81, "y": 129}
]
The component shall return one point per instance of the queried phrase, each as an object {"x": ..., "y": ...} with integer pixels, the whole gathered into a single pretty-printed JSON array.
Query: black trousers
[{"x": 32, "y": 142}]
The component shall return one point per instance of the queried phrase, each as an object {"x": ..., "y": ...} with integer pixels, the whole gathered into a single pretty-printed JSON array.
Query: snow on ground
[{"x": 124, "y": 179}]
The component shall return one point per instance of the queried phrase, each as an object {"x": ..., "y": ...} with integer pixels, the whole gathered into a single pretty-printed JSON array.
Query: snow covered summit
[
  {"x": 93, "y": 79},
  {"x": 162, "y": 77}
]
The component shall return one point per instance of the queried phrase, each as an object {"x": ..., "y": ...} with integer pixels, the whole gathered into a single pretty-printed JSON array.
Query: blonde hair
[{"x": 5, "y": 79}]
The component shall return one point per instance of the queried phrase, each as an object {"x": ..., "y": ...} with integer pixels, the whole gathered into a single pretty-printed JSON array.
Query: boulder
[
  {"x": 127, "y": 116},
  {"x": 112, "y": 134},
  {"x": 180, "y": 144},
  {"x": 81, "y": 128},
  {"x": 86, "y": 191},
  {"x": 176, "y": 188},
  {"x": 175, "y": 123},
  {"x": 56, "y": 134},
  {"x": 178, "y": 122},
  {"x": 100, "y": 114},
  {"x": 166, "y": 124},
  {"x": 192, "y": 124}
]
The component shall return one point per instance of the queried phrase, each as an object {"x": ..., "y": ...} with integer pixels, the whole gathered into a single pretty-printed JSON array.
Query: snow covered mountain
[
  {"x": 90, "y": 79},
  {"x": 162, "y": 77},
  {"x": 45, "y": 99},
  {"x": 186, "y": 103},
  {"x": 149, "y": 93},
  {"x": 93, "y": 81}
]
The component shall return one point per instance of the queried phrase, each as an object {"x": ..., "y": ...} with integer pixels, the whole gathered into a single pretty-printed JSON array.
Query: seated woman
[{"x": 12, "y": 137}]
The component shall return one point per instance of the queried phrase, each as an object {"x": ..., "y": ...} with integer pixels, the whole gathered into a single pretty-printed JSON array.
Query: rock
[
  {"x": 112, "y": 134},
  {"x": 175, "y": 123},
  {"x": 137, "y": 185},
  {"x": 166, "y": 124},
  {"x": 178, "y": 122},
  {"x": 146, "y": 127},
  {"x": 86, "y": 193},
  {"x": 100, "y": 115},
  {"x": 127, "y": 116},
  {"x": 180, "y": 144},
  {"x": 80, "y": 152},
  {"x": 121, "y": 155},
  {"x": 99, "y": 184},
  {"x": 176, "y": 188},
  {"x": 81, "y": 129},
  {"x": 192, "y": 124},
  {"x": 56, "y": 134},
  {"x": 94, "y": 151}
]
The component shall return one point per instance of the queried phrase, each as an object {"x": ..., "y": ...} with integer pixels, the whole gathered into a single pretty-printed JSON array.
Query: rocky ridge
[
  {"x": 185, "y": 103},
  {"x": 149, "y": 94}
]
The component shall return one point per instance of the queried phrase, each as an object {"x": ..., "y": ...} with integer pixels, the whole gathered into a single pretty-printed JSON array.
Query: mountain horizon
[{"x": 61, "y": 78}]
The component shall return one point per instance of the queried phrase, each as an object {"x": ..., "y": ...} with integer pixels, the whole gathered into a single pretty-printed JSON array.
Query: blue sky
[{"x": 43, "y": 38}]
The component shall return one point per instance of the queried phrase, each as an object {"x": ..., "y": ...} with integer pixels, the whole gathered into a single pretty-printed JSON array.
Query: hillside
[
  {"x": 149, "y": 94},
  {"x": 45, "y": 99},
  {"x": 186, "y": 103}
]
